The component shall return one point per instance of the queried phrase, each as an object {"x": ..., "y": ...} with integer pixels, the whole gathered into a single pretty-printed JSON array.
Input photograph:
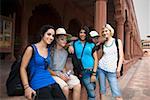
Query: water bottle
[{"x": 68, "y": 73}]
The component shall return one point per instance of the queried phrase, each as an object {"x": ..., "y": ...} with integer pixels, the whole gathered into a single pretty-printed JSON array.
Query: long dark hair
[
  {"x": 86, "y": 29},
  {"x": 44, "y": 29}
]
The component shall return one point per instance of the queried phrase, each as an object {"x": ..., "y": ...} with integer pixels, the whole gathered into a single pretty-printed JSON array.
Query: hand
[
  {"x": 64, "y": 77},
  {"x": 93, "y": 78},
  {"x": 71, "y": 49},
  {"x": 28, "y": 93},
  {"x": 118, "y": 74}
]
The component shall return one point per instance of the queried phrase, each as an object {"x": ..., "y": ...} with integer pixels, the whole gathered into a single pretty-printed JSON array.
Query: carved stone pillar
[
  {"x": 120, "y": 29},
  {"x": 127, "y": 40},
  {"x": 131, "y": 45},
  {"x": 101, "y": 14}
]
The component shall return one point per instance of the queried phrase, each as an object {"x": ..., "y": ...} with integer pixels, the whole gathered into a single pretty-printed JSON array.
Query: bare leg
[
  {"x": 119, "y": 98},
  {"x": 76, "y": 92},
  {"x": 66, "y": 91},
  {"x": 103, "y": 97}
]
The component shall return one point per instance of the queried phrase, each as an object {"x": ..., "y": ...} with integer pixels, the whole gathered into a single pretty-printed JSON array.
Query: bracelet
[
  {"x": 26, "y": 87},
  {"x": 93, "y": 72},
  {"x": 25, "y": 84}
]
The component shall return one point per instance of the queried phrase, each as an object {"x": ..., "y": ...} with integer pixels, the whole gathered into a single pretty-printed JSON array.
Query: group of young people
[{"x": 49, "y": 77}]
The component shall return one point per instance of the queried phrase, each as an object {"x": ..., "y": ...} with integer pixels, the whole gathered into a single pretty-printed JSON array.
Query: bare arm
[
  {"x": 93, "y": 77},
  {"x": 95, "y": 61},
  {"x": 23, "y": 72},
  {"x": 25, "y": 60},
  {"x": 121, "y": 55},
  {"x": 52, "y": 72}
]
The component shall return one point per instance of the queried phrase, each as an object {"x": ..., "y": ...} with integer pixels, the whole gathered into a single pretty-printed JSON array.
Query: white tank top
[{"x": 108, "y": 62}]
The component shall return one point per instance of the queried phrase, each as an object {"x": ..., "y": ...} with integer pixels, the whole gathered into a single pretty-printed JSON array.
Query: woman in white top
[{"x": 108, "y": 67}]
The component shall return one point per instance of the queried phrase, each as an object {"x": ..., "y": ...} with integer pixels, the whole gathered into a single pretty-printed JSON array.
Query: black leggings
[{"x": 51, "y": 92}]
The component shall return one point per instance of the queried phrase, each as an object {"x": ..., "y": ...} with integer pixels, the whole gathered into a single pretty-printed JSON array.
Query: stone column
[
  {"x": 101, "y": 14},
  {"x": 131, "y": 45},
  {"x": 127, "y": 40},
  {"x": 127, "y": 46},
  {"x": 26, "y": 13},
  {"x": 120, "y": 29}
]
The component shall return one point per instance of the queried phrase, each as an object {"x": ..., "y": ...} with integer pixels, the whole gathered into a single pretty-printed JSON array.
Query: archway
[
  {"x": 74, "y": 27},
  {"x": 42, "y": 14}
]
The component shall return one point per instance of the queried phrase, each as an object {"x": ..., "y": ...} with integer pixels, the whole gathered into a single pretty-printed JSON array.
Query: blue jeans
[
  {"x": 112, "y": 80},
  {"x": 90, "y": 86}
]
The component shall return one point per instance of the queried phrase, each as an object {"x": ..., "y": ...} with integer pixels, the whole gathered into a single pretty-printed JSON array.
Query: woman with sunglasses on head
[
  {"x": 108, "y": 67},
  {"x": 85, "y": 50},
  {"x": 41, "y": 82}
]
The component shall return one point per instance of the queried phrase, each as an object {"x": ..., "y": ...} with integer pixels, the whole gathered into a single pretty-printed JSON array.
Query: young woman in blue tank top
[{"x": 41, "y": 82}]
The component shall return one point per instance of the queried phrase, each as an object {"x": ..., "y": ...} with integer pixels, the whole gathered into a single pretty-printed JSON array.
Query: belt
[{"x": 88, "y": 69}]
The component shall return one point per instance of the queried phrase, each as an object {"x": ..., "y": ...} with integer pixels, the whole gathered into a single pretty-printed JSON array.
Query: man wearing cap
[
  {"x": 58, "y": 69},
  {"x": 95, "y": 37},
  {"x": 98, "y": 41}
]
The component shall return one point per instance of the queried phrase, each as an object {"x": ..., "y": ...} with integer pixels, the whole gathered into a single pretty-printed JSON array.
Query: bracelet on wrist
[
  {"x": 93, "y": 75},
  {"x": 26, "y": 87},
  {"x": 93, "y": 72}
]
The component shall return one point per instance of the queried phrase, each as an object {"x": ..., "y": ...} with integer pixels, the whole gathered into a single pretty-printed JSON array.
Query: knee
[
  {"x": 66, "y": 89},
  {"x": 77, "y": 87},
  {"x": 119, "y": 98}
]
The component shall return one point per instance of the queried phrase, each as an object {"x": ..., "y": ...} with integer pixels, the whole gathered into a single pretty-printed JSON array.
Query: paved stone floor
[
  {"x": 135, "y": 84},
  {"x": 138, "y": 88}
]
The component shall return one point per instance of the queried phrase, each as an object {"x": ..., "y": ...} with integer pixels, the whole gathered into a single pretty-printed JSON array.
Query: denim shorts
[{"x": 112, "y": 80}]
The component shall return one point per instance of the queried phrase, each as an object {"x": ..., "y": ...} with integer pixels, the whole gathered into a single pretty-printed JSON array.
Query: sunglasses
[{"x": 46, "y": 64}]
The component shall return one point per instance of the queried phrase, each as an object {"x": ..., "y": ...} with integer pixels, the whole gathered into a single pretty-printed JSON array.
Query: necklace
[{"x": 110, "y": 44}]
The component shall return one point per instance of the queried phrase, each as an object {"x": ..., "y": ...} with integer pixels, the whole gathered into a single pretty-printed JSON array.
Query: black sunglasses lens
[{"x": 46, "y": 64}]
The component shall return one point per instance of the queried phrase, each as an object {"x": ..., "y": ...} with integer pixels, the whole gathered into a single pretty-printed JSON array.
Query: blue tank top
[{"x": 39, "y": 76}]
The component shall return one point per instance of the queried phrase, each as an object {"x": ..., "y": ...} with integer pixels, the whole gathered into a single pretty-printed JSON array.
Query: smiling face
[
  {"x": 61, "y": 40},
  {"x": 106, "y": 33},
  {"x": 82, "y": 35},
  {"x": 95, "y": 39},
  {"x": 48, "y": 36}
]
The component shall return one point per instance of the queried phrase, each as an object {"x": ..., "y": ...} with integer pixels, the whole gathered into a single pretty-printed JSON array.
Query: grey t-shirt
[{"x": 60, "y": 58}]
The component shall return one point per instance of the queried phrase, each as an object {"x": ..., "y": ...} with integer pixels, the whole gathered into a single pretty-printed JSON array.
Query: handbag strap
[
  {"x": 81, "y": 53},
  {"x": 83, "y": 50},
  {"x": 75, "y": 49}
]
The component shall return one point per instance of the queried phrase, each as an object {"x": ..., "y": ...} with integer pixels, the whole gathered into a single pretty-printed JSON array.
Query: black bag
[
  {"x": 78, "y": 67},
  {"x": 14, "y": 84},
  {"x": 77, "y": 63}
]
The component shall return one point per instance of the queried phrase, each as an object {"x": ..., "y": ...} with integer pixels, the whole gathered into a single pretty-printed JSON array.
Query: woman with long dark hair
[
  {"x": 41, "y": 82},
  {"x": 84, "y": 50}
]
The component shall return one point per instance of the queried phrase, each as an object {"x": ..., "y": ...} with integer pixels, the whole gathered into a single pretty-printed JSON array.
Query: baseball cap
[
  {"x": 94, "y": 34},
  {"x": 61, "y": 31}
]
